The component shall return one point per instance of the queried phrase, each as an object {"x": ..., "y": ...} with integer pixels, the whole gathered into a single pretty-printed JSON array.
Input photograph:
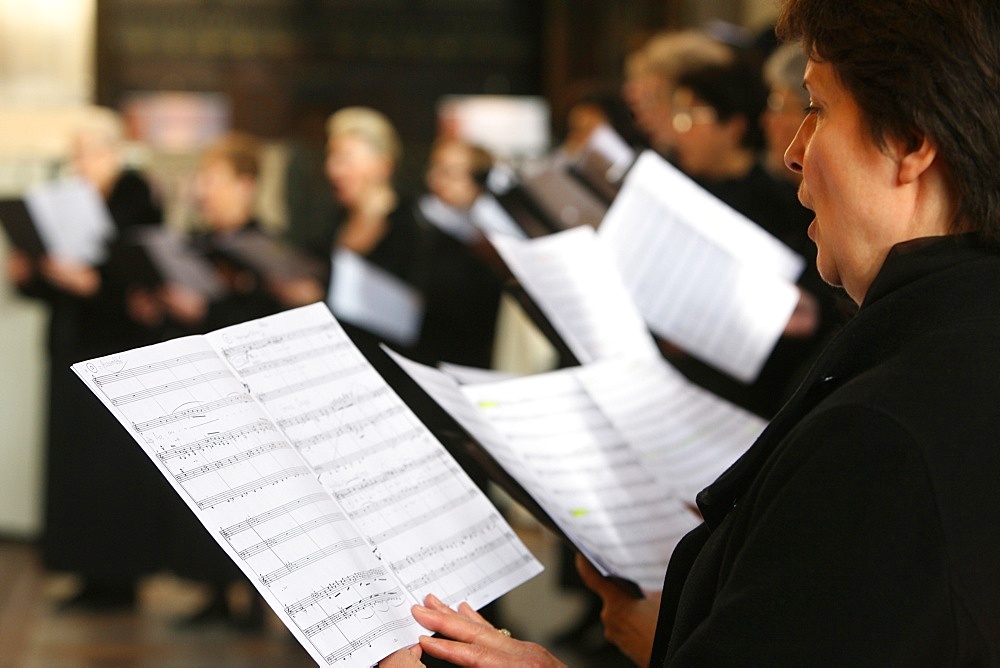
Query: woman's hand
[
  {"x": 19, "y": 267},
  {"x": 471, "y": 641},
  {"x": 296, "y": 291},
  {"x": 368, "y": 222},
  {"x": 804, "y": 320},
  {"x": 183, "y": 305},
  {"x": 629, "y": 623},
  {"x": 73, "y": 277}
]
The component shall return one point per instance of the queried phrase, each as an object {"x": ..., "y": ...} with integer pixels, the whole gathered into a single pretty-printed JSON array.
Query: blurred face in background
[
  {"x": 449, "y": 176},
  {"x": 703, "y": 144},
  {"x": 225, "y": 198},
  {"x": 355, "y": 169},
  {"x": 647, "y": 95},
  {"x": 97, "y": 160}
]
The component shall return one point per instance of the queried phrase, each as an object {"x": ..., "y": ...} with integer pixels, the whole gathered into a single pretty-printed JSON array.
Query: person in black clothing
[
  {"x": 465, "y": 273},
  {"x": 99, "y": 487},
  {"x": 860, "y": 528}
]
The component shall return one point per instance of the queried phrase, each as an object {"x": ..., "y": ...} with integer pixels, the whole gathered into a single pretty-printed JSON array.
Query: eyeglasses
[{"x": 685, "y": 119}]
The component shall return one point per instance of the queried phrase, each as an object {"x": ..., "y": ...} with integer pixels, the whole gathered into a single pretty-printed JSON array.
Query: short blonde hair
[
  {"x": 372, "y": 126},
  {"x": 103, "y": 124}
]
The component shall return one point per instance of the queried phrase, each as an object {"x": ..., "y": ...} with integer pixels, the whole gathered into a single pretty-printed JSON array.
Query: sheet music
[
  {"x": 314, "y": 477},
  {"x": 468, "y": 374},
  {"x": 703, "y": 276},
  {"x": 374, "y": 299},
  {"x": 573, "y": 280},
  {"x": 72, "y": 219},
  {"x": 684, "y": 434},
  {"x": 547, "y": 432}
]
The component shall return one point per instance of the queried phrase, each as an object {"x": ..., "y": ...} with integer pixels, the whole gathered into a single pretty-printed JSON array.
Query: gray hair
[{"x": 785, "y": 69}]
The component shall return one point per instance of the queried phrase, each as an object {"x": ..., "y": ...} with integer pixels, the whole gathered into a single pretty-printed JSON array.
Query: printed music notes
[
  {"x": 613, "y": 451},
  {"x": 314, "y": 477},
  {"x": 703, "y": 276}
]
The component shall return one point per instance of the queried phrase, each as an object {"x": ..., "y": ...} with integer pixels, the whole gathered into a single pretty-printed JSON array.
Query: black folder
[{"x": 20, "y": 229}]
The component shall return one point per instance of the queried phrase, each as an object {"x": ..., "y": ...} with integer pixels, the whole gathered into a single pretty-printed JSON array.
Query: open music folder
[
  {"x": 314, "y": 477},
  {"x": 611, "y": 453},
  {"x": 71, "y": 219}
]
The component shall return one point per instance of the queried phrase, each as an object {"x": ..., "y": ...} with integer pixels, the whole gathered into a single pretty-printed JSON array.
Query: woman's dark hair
[
  {"x": 919, "y": 68},
  {"x": 734, "y": 89}
]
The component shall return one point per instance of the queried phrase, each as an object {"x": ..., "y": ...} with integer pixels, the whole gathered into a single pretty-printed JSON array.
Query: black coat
[
  {"x": 99, "y": 485},
  {"x": 863, "y": 527}
]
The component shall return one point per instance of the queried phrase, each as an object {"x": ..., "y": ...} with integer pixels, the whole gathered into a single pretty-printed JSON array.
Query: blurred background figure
[
  {"x": 363, "y": 151},
  {"x": 651, "y": 74},
  {"x": 99, "y": 488},
  {"x": 226, "y": 188},
  {"x": 454, "y": 291},
  {"x": 465, "y": 274},
  {"x": 455, "y": 179}
]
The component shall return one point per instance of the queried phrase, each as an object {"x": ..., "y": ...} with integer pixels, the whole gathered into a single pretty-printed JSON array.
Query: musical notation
[
  {"x": 250, "y": 522},
  {"x": 256, "y": 484},
  {"x": 310, "y": 384},
  {"x": 383, "y": 446},
  {"x": 311, "y": 558},
  {"x": 313, "y": 476},
  {"x": 199, "y": 411},
  {"x": 286, "y": 536},
  {"x": 238, "y": 458},
  {"x": 393, "y": 598},
  {"x": 217, "y": 438},
  {"x": 145, "y": 369},
  {"x": 335, "y": 588},
  {"x": 350, "y": 648}
]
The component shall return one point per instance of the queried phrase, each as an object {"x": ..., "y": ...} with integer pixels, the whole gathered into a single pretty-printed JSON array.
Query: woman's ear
[{"x": 915, "y": 159}]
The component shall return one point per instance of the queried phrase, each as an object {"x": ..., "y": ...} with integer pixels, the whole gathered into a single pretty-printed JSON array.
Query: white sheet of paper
[
  {"x": 314, "y": 477},
  {"x": 490, "y": 217},
  {"x": 575, "y": 283},
  {"x": 72, "y": 219},
  {"x": 703, "y": 276},
  {"x": 686, "y": 435},
  {"x": 547, "y": 432},
  {"x": 608, "y": 143},
  {"x": 373, "y": 299},
  {"x": 466, "y": 375}
]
